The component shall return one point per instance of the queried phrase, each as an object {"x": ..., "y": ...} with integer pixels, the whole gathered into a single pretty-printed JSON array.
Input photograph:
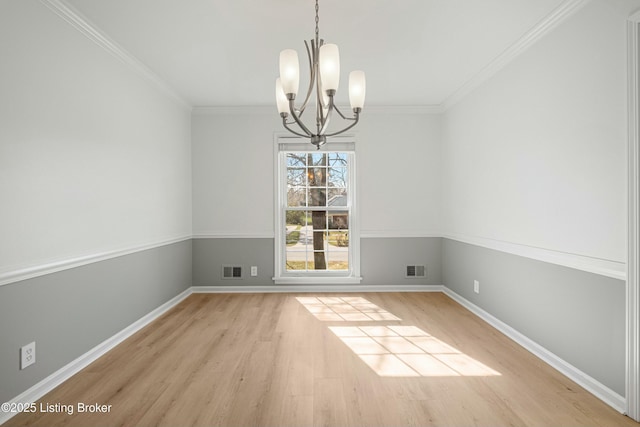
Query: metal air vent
[
  {"x": 415, "y": 271},
  {"x": 231, "y": 272}
]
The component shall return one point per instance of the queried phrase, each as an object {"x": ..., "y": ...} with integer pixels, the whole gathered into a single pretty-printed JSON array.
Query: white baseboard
[
  {"x": 61, "y": 375},
  {"x": 593, "y": 386},
  {"x": 314, "y": 288}
]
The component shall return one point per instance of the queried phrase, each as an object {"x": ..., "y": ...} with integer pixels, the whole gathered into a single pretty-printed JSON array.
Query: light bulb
[
  {"x": 289, "y": 71},
  {"x": 330, "y": 66},
  {"x": 357, "y": 89}
]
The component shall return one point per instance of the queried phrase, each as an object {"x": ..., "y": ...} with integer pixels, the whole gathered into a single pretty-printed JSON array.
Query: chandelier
[{"x": 324, "y": 65}]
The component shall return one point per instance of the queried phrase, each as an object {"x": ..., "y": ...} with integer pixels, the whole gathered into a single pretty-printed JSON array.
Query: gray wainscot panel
[
  {"x": 578, "y": 316},
  {"x": 69, "y": 312},
  {"x": 383, "y": 261}
]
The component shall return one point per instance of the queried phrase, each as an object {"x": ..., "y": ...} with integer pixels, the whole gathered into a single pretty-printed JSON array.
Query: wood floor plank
[{"x": 375, "y": 359}]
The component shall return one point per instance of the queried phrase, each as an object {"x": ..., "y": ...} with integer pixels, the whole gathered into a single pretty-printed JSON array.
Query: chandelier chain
[{"x": 317, "y": 20}]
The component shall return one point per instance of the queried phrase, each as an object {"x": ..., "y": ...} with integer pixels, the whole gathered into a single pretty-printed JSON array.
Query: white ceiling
[{"x": 225, "y": 52}]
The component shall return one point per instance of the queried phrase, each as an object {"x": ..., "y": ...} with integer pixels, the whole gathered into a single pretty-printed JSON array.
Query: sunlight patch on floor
[
  {"x": 391, "y": 350},
  {"x": 345, "y": 309},
  {"x": 408, "y": 351}
]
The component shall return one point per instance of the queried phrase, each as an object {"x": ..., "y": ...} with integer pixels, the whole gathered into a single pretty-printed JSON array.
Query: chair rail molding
[
  {"x": 29, "y": 271},
  {"x": 604, "y": 267}
]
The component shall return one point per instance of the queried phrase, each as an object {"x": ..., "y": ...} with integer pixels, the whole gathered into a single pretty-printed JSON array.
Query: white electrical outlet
[
  {"x": 28, "y": 355},
  {"x": 254, "y": 270},
  {"x": 476, "y": 286}
]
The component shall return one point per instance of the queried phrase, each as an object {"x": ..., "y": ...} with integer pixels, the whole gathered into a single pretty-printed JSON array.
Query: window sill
[{"x": 317, "y": 280}]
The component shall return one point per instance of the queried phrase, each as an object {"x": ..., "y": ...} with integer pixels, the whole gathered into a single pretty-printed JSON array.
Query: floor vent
[
  {"x": 231, "y": 272},
  {"x": 414, "y": 271}
]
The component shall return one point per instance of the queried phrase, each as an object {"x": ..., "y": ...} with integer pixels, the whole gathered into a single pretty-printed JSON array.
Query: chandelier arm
[
  {"x": 286, "y": 126},
  {"x": 319, "y": 90},
  {"x": 321, "y": 118},
  {"x": 327, "y": 118},
  {"x": 299, "y": 122},
  {"x": 342, "y": 115},
  {"x": 311, "y": 78},
  {"x": 355, "y": 122}
]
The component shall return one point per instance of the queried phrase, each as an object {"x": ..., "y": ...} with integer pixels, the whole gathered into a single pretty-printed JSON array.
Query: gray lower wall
[
  {"x": 382, "y": 260},
  {"x": 576, "y": 315},
  {"x": 69, "y": 312},
  {"x": 209, "y": 255}
]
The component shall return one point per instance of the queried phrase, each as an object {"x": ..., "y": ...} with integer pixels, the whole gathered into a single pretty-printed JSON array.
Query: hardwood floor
[{"x": 324, "y": 360}]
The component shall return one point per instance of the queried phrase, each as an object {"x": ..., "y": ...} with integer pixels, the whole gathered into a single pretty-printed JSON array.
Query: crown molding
[
  {"x": 404, "y": 109},
  {"x": 221, "y": 110},
  {"x": 541, "y": 29},
  {"x": 91, "y": 31},
  {"x": 81, "y": 23}
]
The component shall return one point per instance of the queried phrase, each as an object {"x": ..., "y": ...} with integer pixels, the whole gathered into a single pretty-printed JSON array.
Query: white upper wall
[
  {"x": 233, "y": 174},
  {"x": 537, "y": 155},
  {"x": 397, "y": 160},
  {"x": 93, "y": 157},
  {"x": 399, "y": 173}
]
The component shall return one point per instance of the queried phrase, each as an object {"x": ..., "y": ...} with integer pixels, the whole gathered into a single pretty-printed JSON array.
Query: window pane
[
  {"x": 296, "y": 260},
  {"x": 319, "y": 220},
  {"x": 316, "y": 240},
  {"x": 306, "y": 232},
  {"x": 296, "y": 196},
  {"x": 317, "y": 159},
  {"x": 338, "y": 159},
  {"x": 296, "y": 219},
  {"x": 296, "y": 159},
  {"x": 296, "y": 177},
  {"x": 338, "y": 239},
  {"x": 318, "y": 260},
  {"x": 337, "y": 197},
  {"x": 292, "y": 232},
  {"x": 338, "y": 177},
  {"x": 317, "y": 177},
  {"x": 338, "y": 259},
  {"x": 338, "y": 220},
  {"x": 317, "y": 197}
]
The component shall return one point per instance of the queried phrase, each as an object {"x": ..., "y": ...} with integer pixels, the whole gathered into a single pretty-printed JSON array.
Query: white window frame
[{"x": 284, "y": 143}]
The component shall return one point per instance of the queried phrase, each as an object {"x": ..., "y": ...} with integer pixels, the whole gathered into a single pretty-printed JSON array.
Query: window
[{"x": 316, "y": 232}]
